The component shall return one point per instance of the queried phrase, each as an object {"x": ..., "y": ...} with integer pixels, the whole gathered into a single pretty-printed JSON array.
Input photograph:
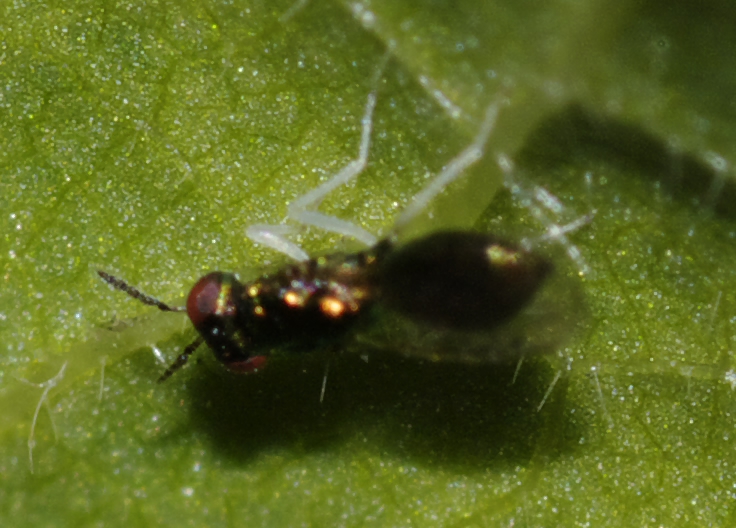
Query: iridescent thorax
[{"x": 457, "y": 280}]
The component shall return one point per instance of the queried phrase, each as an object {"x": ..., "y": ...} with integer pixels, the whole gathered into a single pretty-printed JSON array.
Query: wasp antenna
[
  {"x": 137, "y": 294},
  {"x": 181, "y": 360}
]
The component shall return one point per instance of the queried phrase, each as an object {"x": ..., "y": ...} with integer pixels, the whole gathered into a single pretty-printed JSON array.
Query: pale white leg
[
  {"x": 46, "y": 386},
  {"x": 536, "y": 202},
  {"x": 274, "y": 236},
  {"x": 452, "y": 171},
  {"x": 299, "y": 209},
  {"x": 556, "y": 232},
  {"x": 539, "y": 202}
]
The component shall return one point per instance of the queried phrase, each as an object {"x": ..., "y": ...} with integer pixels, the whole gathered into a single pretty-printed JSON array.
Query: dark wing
[{"x": 472, "y": 298}]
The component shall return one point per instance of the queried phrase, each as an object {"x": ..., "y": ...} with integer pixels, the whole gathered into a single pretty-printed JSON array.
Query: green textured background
[{"x": 142, "y": 138}]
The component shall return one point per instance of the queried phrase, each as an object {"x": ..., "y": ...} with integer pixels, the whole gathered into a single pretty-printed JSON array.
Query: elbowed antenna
[
  {"x": 123, "y": 286},
  {"x": 137, "y": 294}
]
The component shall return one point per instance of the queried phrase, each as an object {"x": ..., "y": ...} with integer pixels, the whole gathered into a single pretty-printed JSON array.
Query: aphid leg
[
  {"x": 537, "y": 202},
  {"x": 302, "y": 208},
  {"x": 137, "y": 294},
  {"x": 274, "y": 236},
  {"x": 453, "y": 170},
  {"x": 299, "y": 210},
  {"x": 556, "y": 232},
  {"x": 46, "y": 386},
  {"x": 181, "y": 360},
  {"x": 445, "y": 102}
]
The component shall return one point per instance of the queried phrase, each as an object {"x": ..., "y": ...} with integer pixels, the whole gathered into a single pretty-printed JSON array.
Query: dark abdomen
[{"x": 460, "y": 280}]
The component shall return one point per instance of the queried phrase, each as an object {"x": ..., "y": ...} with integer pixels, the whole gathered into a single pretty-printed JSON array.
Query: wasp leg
[{"x": 46, "y": 386}]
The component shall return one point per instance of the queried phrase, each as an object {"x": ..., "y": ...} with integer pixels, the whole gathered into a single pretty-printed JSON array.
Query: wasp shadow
[{"x": 434, "y": 413}]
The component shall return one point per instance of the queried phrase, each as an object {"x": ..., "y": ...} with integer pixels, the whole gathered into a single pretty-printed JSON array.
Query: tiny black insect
[
  {"x": 456, "y": 280},
  {"x": 453, "y": 284}
]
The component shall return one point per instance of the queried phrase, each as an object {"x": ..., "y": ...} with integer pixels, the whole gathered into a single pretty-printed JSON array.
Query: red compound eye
[{"x": 210, "y": 297}]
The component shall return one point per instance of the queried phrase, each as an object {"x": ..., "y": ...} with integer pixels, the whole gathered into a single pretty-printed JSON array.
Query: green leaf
[{"x": 143, "y": 138}]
